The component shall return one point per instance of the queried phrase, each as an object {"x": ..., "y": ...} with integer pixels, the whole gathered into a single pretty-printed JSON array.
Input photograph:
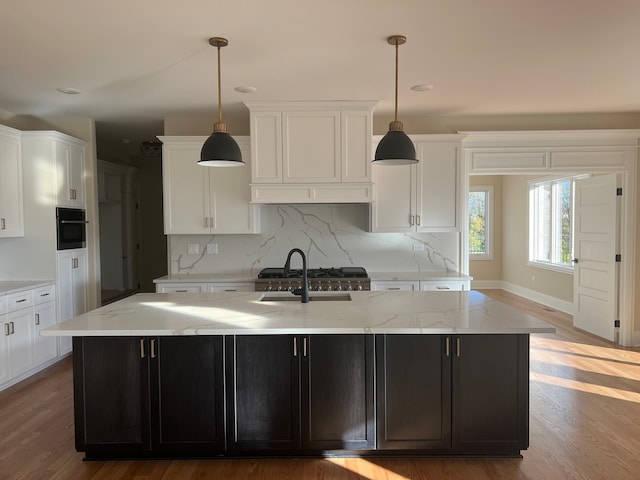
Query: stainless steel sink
[{"x": 330, "y": 297}]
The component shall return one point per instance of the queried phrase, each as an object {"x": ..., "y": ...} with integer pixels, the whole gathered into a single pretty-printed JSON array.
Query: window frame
[
  {"x": 554, "y": 266},
  {"x": 488, "y": 255}
]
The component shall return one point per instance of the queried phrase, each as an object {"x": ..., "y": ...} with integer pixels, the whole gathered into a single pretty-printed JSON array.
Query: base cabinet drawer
[
  {"x": 180, "y": 287},
  {"x": 444, "y": 286}
]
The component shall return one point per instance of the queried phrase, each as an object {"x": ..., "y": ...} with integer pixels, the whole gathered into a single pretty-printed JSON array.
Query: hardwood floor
[{"x": 584, "y": 424}]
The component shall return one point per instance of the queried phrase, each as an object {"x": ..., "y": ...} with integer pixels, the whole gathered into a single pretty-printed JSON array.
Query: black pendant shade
[
  {"x": 395, "y": 148},
  {"x": 220, "y": 150}
]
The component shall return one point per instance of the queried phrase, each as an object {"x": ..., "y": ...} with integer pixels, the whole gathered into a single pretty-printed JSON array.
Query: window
[
  {"x": 480, "y": 222},
  {"x": 551, "y": 223}
]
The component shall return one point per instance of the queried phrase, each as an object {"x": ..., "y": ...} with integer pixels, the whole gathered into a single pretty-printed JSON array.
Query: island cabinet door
[
  {"x": 338, "y": 392},
  {"x": 263, "y": 405},
  {"x": 491, "y": 393},
  {"x": 111, "y": 396},
  {"x": 413, "y": 392},
  {"x": 187, "y": 400}
]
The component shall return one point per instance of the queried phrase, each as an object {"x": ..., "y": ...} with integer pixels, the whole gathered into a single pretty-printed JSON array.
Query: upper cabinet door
[
  {"x": 393, "y": 210},
  {"x": 11, "y": 201},
  {"x": 203, "y": 200},
  {"x": 357, "y": 151},
  {"x": 186, "y": 190},
  {"x": 438, "y": 186},
  {"x": 70, "y": 174},
  {"x": 266, "y": 147},
  {"x": 311, "y": 147}
]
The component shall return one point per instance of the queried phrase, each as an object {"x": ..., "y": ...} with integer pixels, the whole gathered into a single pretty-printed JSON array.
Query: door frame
[{"x": 552, "y": 152}]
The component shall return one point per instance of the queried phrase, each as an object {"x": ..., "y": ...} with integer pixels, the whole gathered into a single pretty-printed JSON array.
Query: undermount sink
[{"x": 329, "y": 297}]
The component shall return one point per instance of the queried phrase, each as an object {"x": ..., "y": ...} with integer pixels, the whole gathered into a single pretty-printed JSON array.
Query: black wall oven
[{"x": 71, "y": 228}]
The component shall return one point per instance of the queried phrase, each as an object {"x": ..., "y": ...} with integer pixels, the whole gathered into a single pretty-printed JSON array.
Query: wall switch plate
[
  {"x": 193, "y": 249},
  {"x": 212, "y": 248},
  {"x": 418, "y": 247}
]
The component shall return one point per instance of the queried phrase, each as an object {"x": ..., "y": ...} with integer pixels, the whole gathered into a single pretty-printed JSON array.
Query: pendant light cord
[
  {"x": 396, "y": 107},
  {"x": 220, "y": 89}
]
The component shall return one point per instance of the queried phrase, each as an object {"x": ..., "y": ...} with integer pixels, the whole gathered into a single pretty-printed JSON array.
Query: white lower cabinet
[
  {"x": 202, "y": 287},
  {"x": 22, "y": 350},
  {"x": 231, "y": 287},
  {"x": 421, "y": 285},
  {"x": 44, "y": 313},
  {"x": 72, "y": 290},
  {"x": 395, "y": 285},
  {"x": 180, "y": 287}
]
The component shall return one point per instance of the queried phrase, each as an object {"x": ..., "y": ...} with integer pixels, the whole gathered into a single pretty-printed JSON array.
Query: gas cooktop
[{"x": 342, "y": 272}]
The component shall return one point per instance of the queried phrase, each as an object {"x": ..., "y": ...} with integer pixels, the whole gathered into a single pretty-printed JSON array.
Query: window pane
[
  {"x": 565, "y": 213},
  {"x": 477, "y": 223}
]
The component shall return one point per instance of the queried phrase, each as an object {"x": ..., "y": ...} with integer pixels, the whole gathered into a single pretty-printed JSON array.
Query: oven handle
[{"x": 74, "y": 221}]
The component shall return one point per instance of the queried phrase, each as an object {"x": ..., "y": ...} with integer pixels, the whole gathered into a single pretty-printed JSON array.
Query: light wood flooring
[{"x": 584, "y": 424}]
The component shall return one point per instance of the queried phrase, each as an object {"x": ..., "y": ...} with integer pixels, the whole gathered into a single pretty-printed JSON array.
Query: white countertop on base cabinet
[{"x": 244, "y": 313}]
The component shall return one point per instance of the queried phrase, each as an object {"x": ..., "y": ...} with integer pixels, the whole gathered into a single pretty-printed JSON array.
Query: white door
[{"x": 595, "y": 244}]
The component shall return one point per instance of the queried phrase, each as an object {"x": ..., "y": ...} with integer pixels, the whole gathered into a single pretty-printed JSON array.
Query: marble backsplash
[{"x": 330, "y": 236}]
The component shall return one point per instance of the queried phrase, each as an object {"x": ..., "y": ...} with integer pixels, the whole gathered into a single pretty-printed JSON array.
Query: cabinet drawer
[
  {"x": 17, "y": 301},
  {"x": 231, "y": 287},
  {"x": 446, "y": 286},
  {"x": 180, "y": 288},
  {"x": 44, "y": 294},
  {"x": 395, "y": 285}
]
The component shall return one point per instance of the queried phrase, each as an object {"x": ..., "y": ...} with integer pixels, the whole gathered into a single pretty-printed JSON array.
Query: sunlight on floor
[
  {"x": 366, "y": 469},
  {"x": 586, "y": 387}
]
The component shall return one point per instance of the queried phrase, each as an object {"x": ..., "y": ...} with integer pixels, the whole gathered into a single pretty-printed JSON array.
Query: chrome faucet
[{"x": 304, "y": 291}]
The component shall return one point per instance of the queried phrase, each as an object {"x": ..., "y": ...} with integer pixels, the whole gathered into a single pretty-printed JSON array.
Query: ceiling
[{"x": 140, "y": 61}]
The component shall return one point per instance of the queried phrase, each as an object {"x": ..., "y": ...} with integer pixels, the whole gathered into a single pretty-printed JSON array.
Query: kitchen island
[{"x": 255, "y": 374}]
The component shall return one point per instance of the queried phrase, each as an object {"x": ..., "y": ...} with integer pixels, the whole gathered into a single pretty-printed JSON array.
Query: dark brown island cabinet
[{"x": 301, "y": 395}]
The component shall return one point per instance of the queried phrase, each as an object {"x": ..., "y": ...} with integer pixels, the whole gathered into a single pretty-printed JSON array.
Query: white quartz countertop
[
  {"x": 415, "y": 276},
  {"x": 247, "y": 277},
  {"x": 12, "y": 286},
  {"x": 236, "y": 313}
]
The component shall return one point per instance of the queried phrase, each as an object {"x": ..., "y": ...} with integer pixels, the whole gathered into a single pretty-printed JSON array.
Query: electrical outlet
[
  {"x": 193, "y": 249},
  {"x": 418, "y": 247},
  {"x": 212, "y": 248}
]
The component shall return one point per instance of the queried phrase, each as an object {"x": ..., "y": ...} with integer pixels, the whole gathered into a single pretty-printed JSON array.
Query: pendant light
[
  {"x": 395, "y": 148},
  {"x": 220, "y": 150}
]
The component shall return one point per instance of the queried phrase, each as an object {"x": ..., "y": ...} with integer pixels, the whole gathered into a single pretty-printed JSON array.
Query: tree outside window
[
  {"x": 551, "y": 222},
  {"x": 479, "y": 208}
]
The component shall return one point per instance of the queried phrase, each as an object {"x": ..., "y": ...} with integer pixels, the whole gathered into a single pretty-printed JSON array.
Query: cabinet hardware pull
[
  {"x": 206, "y": 222},
  {"x": 6, "y": 330},
  {"x": 181, "y": 291},
  {"x": 21, "y": 300},
  {"x": 231, "y": 290},
  {"x": 295, "y": 347},
  {"x": 457, "y": 346},
  {"x": 442, "y": 288},
  {"x": 12, "y": 328},
  {"x": 417, "y": 219},
  {"x": 153, "y": 348},
  {"x": 37, "y": 319},
  {"x": 446, "y": 347},
  {"x": 75, "y": 222},
  {"x": 393, "y": 288},
  {"x": 142, "y": 354},
  {"x": 411, "y": 220},
  {"x": 44, "y": 294},
  {"x": 3, "y": 224},
  {"x": 304, "y": 347}
]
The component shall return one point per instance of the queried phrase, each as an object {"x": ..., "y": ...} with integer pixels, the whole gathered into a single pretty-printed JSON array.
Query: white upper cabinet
[
  {"x": 311, "y": 152},
  {"x": 205, "y": 200},
  {"x": 11, "y": 200},
  {"x": 64, "y": 158},
  {"x": 423, "y": 197}
]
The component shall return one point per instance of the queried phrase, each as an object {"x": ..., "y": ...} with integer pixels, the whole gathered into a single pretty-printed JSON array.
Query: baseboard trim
[{"x": 548, "y": 300}]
